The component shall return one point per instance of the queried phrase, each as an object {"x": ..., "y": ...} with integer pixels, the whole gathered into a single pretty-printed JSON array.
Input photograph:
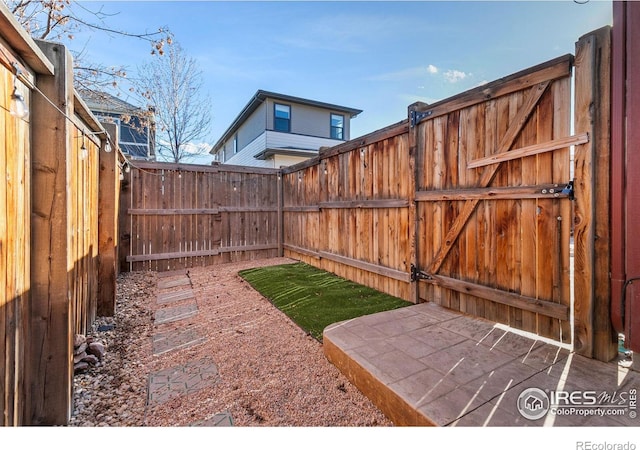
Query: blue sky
[{"x": 372, "y": 55}]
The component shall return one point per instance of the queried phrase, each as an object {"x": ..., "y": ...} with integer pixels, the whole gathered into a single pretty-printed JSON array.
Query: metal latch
[
  {"x": 418, "y": 274},
  {"x": 569, "y": 191},
  {"x": 418, "y": 116}
]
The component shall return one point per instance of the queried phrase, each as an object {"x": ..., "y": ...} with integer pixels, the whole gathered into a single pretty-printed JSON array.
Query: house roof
[
  {"x": 260, "y": 96},
  {"x": 104, "y": 102}
]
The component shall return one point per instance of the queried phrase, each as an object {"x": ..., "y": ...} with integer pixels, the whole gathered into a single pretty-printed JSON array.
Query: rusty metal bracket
[
  {"x": 418, "y": 274},
  {"x": 415, "y": 117}
]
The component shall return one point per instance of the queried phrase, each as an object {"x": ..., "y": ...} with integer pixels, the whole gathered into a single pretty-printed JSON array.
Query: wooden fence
[
  {"x": 467, "y": 203},
  {"x": 15, "y": 211},
  {"x": 347, "y": 211},
  {"x": 176, "y": 216},
  {"x": 49, "y": 230}
]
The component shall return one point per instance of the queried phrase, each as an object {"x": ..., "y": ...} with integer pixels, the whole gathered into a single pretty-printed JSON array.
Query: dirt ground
[{"x": 270, "y": 372}]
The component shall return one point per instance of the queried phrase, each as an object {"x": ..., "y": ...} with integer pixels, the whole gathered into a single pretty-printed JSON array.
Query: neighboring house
[
  {"x": 135, "y": 125},
  {"x": 276, "y": 130}
]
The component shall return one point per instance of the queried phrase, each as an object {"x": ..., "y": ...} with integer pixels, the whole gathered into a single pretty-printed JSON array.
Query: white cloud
[
  {"x": 453, "y": 76},
  {"x": 406, "y": 74}
]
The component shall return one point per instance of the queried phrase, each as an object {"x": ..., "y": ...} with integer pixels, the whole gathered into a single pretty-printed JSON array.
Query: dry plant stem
[{"x": 271, "y": 372}]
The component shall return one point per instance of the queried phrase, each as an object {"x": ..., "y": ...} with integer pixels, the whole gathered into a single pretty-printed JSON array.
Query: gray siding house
[
  {"x": 136, "y": 128},
  {"x": 276, "y": 130}
]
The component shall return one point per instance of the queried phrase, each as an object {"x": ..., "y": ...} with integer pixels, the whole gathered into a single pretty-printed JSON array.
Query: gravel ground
[{"x": 271, "y": 373}]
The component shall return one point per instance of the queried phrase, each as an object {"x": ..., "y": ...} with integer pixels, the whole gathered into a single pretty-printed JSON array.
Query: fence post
[
  {"x": 593, "y": 331},
  {"x": 280, "y": 194},
  {"x": 50, "y": 347},
  {"x": 108, "y": 196},
  {"x": 414, "y": 222}
]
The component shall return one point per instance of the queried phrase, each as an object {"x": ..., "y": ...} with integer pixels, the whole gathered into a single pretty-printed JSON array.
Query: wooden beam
[
  {"x": 530, "y": 150},
  {"x": 9, "y": 60},
  {"x": 173, "y": 255},
  {"x": 416, "y": 153},
  {"x": 301, "y": 208},
  {"x": 547, "y": 308},
  {"x": 363, "y": 141},
  {"x": 499, "y": 193},
  {"x": 171, "y": 212},
  {"x": 489, "y": 172},
  {"x": 302, "y": 251},
  {"x": 19, "y": 40},
  {"x": 280, "y": 224},
  {"x": 374, "y": 268},
  {"x": 50, "y": 354},
  {"x": 542, "y": 73},
  {"x": 248, "y": 248},
  {"x": 108, "y": 201},
  {"x": 241, "y": 209},
  {"x": 389, "y": 132},
  {"x": 593, "y": 331},
  {"x": 199, "y": 211},
  {"x": 365, "y": 204},
  {"x": 192, "y": 254}
]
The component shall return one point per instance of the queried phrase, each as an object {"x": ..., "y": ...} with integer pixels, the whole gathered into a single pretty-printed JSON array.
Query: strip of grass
[{"x": 313, "y": 298}]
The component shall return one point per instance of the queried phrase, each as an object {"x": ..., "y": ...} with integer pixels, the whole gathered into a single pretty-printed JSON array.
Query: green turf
[{"x": 313, "y": 298}]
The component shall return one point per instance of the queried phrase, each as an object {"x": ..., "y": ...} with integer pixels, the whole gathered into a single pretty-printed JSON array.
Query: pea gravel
[{"x": 271, "y": 373}]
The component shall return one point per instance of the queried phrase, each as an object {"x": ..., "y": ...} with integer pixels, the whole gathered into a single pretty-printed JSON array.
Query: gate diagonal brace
[{"x": 418, "y": 274}]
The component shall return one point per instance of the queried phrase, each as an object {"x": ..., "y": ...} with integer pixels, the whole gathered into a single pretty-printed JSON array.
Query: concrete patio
[{"x": 426, "y": 365}]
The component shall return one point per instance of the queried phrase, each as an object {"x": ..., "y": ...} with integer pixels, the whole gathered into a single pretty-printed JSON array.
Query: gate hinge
[
  {"x": 569, "y": 190},
  {"x": 418, "y": 274},
  {"x": 416, "y": 117}
]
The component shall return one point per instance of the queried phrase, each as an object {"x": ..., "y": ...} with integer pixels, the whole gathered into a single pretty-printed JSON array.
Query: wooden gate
[{"x": 493, "y": 200}]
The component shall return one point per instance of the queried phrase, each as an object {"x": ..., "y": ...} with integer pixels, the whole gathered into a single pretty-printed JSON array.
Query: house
[
  {"x": 276, "y": 130},
  {"x": 135, "y": 125}
]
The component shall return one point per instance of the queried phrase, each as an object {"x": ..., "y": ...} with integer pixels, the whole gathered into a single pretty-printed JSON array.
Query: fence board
[{"x": 184, "y": 215}]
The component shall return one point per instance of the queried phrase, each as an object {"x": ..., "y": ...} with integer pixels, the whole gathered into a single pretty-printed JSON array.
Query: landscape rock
[
  {"x": 91, "y": 359},
  {"x": 78, "y": 340},
  {"x": 97, "y": 349},
  {"x": 80, "y": 366},
  {"x": 80, "y": 349}
]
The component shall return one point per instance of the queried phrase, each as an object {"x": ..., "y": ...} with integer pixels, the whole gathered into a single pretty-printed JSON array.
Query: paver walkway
[{"x": 180, "y": 380}]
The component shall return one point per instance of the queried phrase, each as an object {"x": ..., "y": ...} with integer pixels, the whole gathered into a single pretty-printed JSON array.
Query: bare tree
[
  {"x": 61, "y": 20},
  {"x": 172, "y": 86}
]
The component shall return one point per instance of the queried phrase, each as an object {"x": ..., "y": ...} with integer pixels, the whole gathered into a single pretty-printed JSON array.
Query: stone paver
[
  {"x": 172, "y": 297},
  {"x": 181, "y": 380},
  {"x": 174, "y": 340},
  {"x": 167, "y": 283},
  {"x": 175, "y": 313},
  {"x": 172, "y": 274},
  {"x": 222, "y": 419},
  {"x": 430, "y": 365}
]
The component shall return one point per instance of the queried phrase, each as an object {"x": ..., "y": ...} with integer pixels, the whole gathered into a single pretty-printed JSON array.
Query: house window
[
  {"x": 337, "y": 126},
  {"x": 282, "y": 118},
  {"x": 235, "y": 144}
]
